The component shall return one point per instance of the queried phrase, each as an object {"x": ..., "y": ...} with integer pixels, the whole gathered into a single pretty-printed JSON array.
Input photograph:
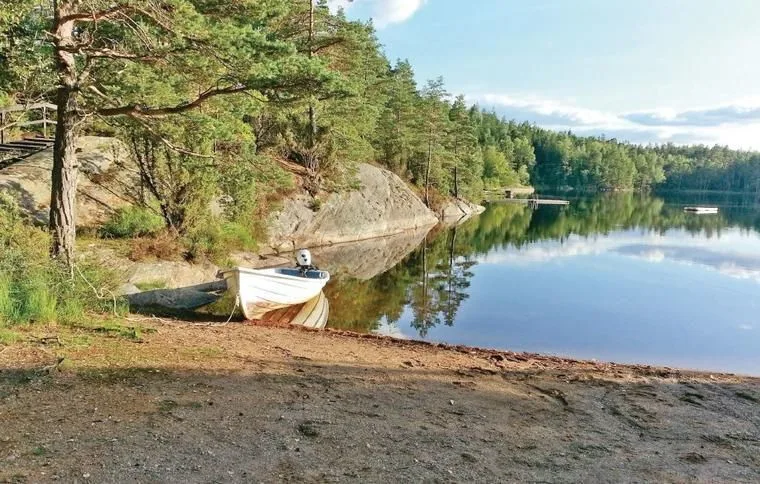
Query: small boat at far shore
[
  {"x": 260, "y": 291},
  {"x": 704, "y": 210}
]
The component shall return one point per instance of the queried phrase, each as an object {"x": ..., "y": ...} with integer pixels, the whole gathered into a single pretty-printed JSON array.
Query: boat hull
[
  {"x": 262, "y": 291},
  {"x": 311, "y": 314}
]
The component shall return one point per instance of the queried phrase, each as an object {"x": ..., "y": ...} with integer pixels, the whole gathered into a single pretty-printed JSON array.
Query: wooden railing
[{"x": 45, "y": 121}]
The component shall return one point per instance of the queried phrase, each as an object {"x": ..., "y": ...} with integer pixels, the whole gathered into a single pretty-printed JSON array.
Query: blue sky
[{"x": 686, "y": 71}]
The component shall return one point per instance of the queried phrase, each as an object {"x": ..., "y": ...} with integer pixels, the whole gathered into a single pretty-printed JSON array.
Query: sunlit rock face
[
  {"x": 361, "y": 260},
  {"x": 103, "y": 183},
  {"x": 457, "y": 211},
  {"x": 384, "y": 205}
]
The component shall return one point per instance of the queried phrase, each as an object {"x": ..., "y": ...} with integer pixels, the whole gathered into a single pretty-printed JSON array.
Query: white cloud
[
  {"x": 736, "y": 125},
  {"x": 724, "y": 255},
  {"x": 388, "y": 12},
  {"x": 383, "y": 12},
  {"x": 551, "y": 110},
  {"x": 336, "y": 5}
]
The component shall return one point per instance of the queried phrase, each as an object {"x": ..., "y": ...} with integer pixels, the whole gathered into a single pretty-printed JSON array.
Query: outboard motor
[{"x": 303, "y": 261}]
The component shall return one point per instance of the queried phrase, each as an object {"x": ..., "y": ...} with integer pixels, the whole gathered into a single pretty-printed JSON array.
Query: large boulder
[
  {"x": 384, "y": 205},
  {"x": 362, "y": 259},
  {"x": 458, "y": 210},
  {"x": 103, "y": 183}
]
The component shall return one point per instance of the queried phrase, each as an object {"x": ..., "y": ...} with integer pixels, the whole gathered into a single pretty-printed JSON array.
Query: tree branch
[
  {"x": 144, "y": 111},
  {"x": 105, "y": 52},
  {"x": 95, "y": 16}
]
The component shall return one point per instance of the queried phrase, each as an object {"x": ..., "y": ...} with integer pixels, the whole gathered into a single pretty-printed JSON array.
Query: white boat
[
  {"x": 260, "y": 291},
  {"x": 311, "y": 314},
  {"x": 701, "y": 209}
]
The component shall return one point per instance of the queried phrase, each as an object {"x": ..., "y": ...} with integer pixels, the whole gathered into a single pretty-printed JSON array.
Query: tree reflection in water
[{"x": 432, "y": 281}]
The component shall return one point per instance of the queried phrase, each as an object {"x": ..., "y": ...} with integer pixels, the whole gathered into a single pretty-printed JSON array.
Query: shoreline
[
  {"x": 189, "y": 402},
  {"x": 538, "y": 357}
]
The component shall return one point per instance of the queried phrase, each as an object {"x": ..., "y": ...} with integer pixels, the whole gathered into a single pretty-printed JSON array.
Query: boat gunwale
[{"x": 276, "y": 275}]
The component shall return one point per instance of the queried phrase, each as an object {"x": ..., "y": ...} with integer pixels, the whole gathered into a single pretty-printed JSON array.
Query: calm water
[{"x": 620, "y": 278}]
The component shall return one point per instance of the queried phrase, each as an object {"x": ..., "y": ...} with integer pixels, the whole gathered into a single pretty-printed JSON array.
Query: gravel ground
[{"x": 235, "y": 403}]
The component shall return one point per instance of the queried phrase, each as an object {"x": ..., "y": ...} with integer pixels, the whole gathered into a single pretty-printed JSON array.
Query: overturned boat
[{"x": 260, "y": 291}]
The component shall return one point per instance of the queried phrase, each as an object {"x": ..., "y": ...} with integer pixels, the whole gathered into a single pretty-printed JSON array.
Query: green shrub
[
  {"x": 315, "y": 205},
  {"x": 36, "y": 288},
  {"x": 216, "y": 241},
  {"x": 132, "y": 222}
]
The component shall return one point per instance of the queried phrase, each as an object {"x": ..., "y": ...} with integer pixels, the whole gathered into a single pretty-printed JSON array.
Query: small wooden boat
[
  {"x": 701, "y": 209},
  {"x": 265, "y": 290},
  {"x": 311, "y": 314}
]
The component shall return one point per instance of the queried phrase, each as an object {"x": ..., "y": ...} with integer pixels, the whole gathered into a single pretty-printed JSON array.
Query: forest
[{"x": 220, "y": 100}]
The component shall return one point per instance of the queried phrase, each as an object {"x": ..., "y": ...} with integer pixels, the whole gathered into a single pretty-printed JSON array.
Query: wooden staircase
[{"x": 15, "y": 151}]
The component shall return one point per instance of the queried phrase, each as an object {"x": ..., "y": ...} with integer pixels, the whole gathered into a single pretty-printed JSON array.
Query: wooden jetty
[
  {"x": 701, "y": 210},
  {"x": 537, "y": 201}
]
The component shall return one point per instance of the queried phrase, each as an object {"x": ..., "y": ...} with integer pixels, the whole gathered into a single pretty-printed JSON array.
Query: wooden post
[
  {"x": 2, "y": 128},
  {"x": 44, "y": 122}
]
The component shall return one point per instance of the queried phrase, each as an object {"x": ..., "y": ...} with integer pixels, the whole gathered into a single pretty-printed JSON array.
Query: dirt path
[{"x": 199, "y": 403}]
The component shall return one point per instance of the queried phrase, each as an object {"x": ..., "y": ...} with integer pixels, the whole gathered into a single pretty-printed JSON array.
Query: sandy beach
[{"x": 235, "y": 403}]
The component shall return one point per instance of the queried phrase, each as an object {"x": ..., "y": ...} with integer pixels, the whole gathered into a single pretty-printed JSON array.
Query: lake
[{"x": 616, "y": 277}]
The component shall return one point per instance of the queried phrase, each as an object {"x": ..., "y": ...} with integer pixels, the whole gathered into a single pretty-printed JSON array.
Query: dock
[
  {"x": 701, "y": 210},
  {"x": 537, "y": 201}
]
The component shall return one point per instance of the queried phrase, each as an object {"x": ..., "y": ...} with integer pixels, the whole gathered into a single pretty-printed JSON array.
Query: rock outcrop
[
  {"x": 458, "y": 210},
  {"x": 383, "y": 206},
  {"x": 103, "y": 183},
  {"x": 362, "y": 260}
]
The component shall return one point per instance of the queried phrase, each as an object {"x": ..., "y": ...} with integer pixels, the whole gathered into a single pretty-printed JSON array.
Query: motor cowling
[{"x": 303, "y": 258}]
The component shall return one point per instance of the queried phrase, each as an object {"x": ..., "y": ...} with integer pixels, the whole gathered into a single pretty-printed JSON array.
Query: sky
[{"x": 645, "y": 71}]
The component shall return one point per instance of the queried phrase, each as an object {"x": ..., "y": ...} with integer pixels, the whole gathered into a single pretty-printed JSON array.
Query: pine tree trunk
[
  {"x": 64, "y": 175},
  {"x": 427, "y": 173},
  {"x": 456, "y": 181},
  {"x": 313, "y": 162},
  {"x": 64, "y": 180}
]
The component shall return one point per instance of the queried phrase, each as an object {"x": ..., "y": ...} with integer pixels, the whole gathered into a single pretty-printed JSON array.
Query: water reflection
[{"x": 621, "y": 236}]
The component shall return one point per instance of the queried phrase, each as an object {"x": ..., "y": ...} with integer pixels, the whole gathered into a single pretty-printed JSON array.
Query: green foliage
[
  {"x": 151, "y": 285},
  {"x": 8, "y": 336},
  {"x": 275, "y": 86},
  {"x": 496, "y": 170},
  {"x": 132, "y": 221},
  {"x": 217, "y": 240},
  {"x": 36, "y": 288},
  {"x": 315, "y": 204}
]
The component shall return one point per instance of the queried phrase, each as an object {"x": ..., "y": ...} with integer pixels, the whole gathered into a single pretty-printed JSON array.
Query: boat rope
[
  {"x": 101, "y": 294},
  {"x": 237, "y": 303}
]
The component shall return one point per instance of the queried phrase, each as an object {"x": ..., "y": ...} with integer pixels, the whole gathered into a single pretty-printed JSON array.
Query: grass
[
  {"x": 163, "y": 246},
  {"x": 111, "y": 327},
  {"x": 8, "y": 337},
  {"x": 215, "y": 241},
  {"x": 151, "y": 285},
  {"x": 39, "y": 451},
  {"x": 132, "y": 221},
  {"x": 35, "y": 289}
]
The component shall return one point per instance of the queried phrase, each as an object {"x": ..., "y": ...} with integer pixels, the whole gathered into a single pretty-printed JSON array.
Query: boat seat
[{"x": 307, "y": 274}]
